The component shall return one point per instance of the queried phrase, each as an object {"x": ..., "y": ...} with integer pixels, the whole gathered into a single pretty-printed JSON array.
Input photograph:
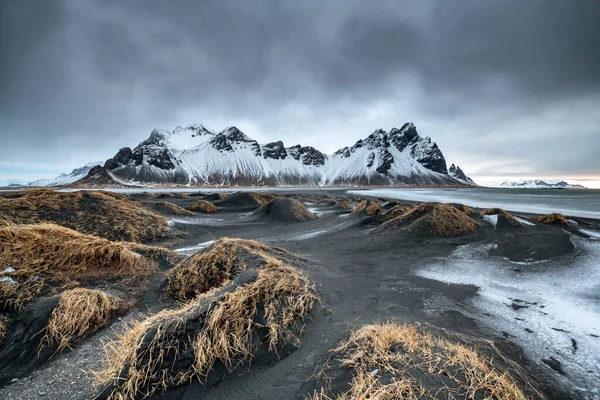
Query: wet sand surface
[{"x": 363, "y": 276}]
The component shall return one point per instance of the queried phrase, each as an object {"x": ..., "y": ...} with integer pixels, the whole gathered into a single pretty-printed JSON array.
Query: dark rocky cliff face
[{"x": 275, "y": 150}]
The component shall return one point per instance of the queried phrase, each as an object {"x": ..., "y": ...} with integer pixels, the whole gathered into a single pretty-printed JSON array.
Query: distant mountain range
[
  {"x": 61, "y": 180},
  {"x": 197, "y": 155},
  {"x": 540, "y": 184}
]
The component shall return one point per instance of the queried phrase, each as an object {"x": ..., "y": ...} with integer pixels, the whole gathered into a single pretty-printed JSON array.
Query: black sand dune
[
  {"x": 283, "y": 210},
  {"x": 203, "y": 206},
  {"x": 243, "y": 201},
  {"x": 363, "y": 272},
  {"x": 169, "y": 209},
  {"x": 503, "y": 219},
  {"x": 367, "y": 207},
  {"x": 215, "y": 196},
  {"x": 250, "y": 304},
  {"x": 431, "y": 219}
]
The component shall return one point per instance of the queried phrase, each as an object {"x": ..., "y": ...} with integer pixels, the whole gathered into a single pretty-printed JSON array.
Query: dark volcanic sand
[{"x": 363, "y": 277}]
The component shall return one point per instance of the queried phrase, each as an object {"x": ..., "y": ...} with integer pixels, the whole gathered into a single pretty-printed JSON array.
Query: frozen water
[
  {"x": 574, "y": 203},
  {"x": 197, "y": 221},
  {"x": 594, "y": 234},
  {"x": 492, "y": 219},
  {"x": 193, "y": 249},
  {"x": 525, "y": 221},
  {"x": 550, "y": 308}
]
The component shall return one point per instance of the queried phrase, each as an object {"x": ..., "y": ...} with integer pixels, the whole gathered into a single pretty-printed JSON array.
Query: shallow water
[
  {"x": 550, "y": 308},
  {"x": 576, "y": 203}
]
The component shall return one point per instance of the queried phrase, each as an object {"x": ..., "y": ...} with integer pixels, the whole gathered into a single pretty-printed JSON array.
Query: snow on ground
[
  {"x": 319, "y": 212},
  {"x": 593, "y": 234},
  {"x": 525, "y": 221},
  {"x": 197, "y": 221},
  {"x": 550, "y": 308},
  {"x": 188, "y": 251},
  {"x": 492, "y": 219},
  {"x": 574, "y": 203}
]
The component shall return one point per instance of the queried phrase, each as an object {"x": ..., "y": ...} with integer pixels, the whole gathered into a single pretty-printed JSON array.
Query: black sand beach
[{"x": 363, "y": 273}]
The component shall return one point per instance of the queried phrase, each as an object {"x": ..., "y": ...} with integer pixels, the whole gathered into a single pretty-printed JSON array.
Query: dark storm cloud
[{"x": 502, "y": 86}]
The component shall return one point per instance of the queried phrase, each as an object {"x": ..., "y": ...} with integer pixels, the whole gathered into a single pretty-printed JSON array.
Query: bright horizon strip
[{"x": 492, "y": 181}]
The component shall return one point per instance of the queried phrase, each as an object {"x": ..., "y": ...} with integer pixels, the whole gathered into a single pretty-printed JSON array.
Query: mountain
[
  {"x": 12, "y": 183},
  {"x": 540, "y": 184},
  {"x": 197, "y": 155},
  {"x": 61, "y": 180},
  {"x": 458, "y": 174},
  {"x": 66, "y": 179}
]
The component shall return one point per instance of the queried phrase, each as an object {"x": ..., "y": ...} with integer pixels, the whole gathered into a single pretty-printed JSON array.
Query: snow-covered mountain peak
[
  {"x": 194, "y": 130},
  {"x": 198, "y": 155},
  {"x": 235, "y": 135}
]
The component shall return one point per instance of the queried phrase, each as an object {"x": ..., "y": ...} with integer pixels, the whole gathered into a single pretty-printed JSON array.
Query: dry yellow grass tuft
[
  {"x": 3, "y": 327},
  {"x": 174, "y": 209},
  {"x": 99, "y": 213},
  {"x": 216, "y": 196},
  {"x": 78, "y": 313},
  {"x": 498, "y": 211},
  {"x": 164, "y": 195},
  {"x": 211, "y": 268},
  {"x": 261, "y": 198},
  {"x": 554, "y": 218},
  {"x": 400, "y": 350},
  {"x": 48, "y": 254},
  {"x": 344, "y": 204},
  {"x": 433, "y": 219},
  {"x": 466, "y": 209},
  {"x": 219, "y": 326},
  {"x": 203, "y": 206},
  {"x": 396, "y": 211},
  {"x": 368, "y": 206},
  {"x": 284, "y": 209}
]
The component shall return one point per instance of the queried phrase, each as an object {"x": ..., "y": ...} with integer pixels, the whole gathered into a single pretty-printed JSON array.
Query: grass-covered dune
[{"x": 101, "y": 213}]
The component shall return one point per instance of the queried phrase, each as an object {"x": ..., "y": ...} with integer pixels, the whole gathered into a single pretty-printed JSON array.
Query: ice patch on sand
[
  {"x": 592, "y": 234},
  {"x": 306, "y": 234},
  {"x": 492, "y": 219},
  {"x": 193, "y": 249},
  {"x": 196, "y": 221},
  {"x": 524, "y": 221},
  {"x": 550, "y": 308},
  {"x": 319, "y": 212}
]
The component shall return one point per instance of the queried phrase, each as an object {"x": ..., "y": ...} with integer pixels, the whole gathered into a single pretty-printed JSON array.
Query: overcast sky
[{"x": 508, "y": 89}]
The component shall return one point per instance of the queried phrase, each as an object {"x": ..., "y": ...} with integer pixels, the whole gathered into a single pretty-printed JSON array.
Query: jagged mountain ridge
[
  {"x": 457, "y": 173},
  {"x": 200, "y": 156}
]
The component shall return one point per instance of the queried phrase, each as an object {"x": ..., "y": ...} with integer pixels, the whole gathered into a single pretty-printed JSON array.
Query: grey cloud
[{"x": 84, "y": 78}]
